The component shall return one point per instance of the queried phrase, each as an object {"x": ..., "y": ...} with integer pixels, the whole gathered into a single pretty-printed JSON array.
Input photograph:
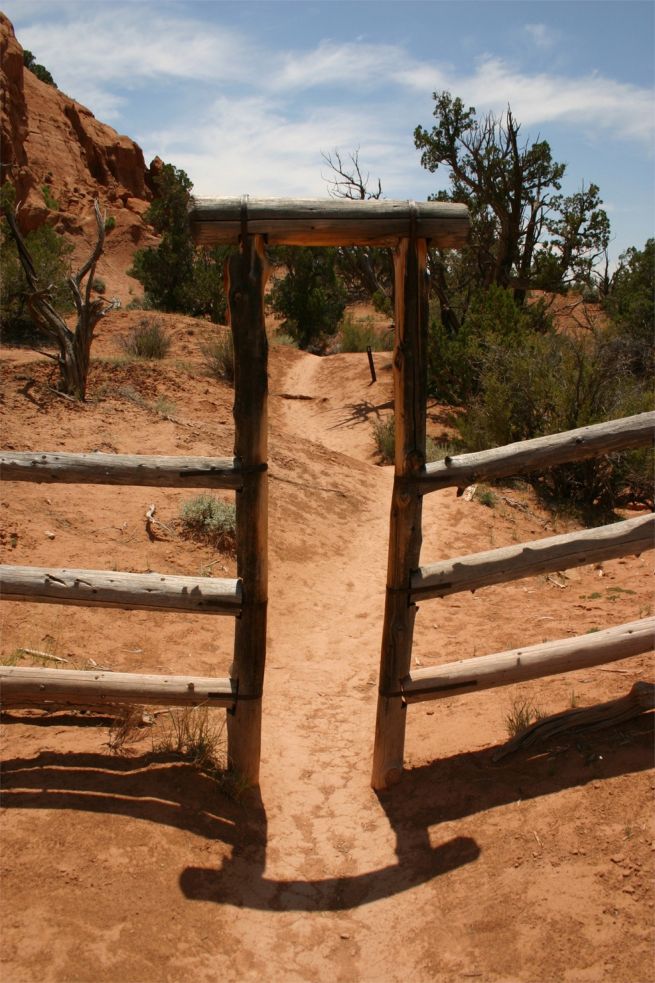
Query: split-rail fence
[
  {"x": 250, "y": 224},
  {"x": 408, "y": 229}
]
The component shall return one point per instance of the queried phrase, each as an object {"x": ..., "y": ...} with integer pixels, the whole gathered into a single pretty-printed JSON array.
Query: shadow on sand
[{"x": 155, "y": 789}]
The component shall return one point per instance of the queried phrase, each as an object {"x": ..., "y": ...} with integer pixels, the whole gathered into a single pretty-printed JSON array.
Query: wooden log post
[
  {"x": 246, "y": 278},
  {"x": 410, "y": 380}
]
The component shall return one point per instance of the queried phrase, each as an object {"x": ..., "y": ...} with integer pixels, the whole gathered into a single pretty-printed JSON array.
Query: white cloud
[
  {"x": 541, "y": 35},
  {"x": 252, "y": 145},
  {"x": 120, "y": 45},
  {"x": 592, "y": 102},
  {"x": 117, "y": 47}
]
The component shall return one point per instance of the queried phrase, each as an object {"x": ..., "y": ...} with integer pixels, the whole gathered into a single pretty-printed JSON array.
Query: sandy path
[{"x": 114, "y": 869}]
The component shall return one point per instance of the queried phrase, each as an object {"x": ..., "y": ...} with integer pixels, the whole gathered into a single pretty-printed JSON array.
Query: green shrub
[
  {"x": 384, "y": 435},
  {"x": 110, "y": 223},
  {"x": 51, "y": 257},
  {"x": 545, "y": 384},
  {"x": 357, "y": 336},
  {"x": 42, "y": 73},
  {"x": 210, "y": 520},
  {"x": 50, "y": 200},
  {"x": 98, "y": 285},
  {"x": 219, "y": 353},
  {"x": 148, "y": 339},
  {"x": 493, "y": 319},
  {"x": 382, "y": 303},
  {"x": 311, "y": 298},
  {"x": 282, "y": 338}
]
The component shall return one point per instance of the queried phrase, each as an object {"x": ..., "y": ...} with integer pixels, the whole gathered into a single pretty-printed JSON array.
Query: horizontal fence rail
[
  {"x": 26, "y": 687},
  {"x": 531, "y": 662},
  {"x": 327, "y": 222},
  {"x": 146, "y": 591},
  {"x": 527, "y": 559},
  {"x": 121, "y": 469},
  {"x": 540, "y": 453}
]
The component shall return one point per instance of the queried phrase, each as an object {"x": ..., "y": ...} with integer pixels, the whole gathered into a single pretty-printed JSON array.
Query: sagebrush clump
[
  {"x": 211, "y": 521},
  {"x": 219, "y": 353},
  {"x": 148, "y": 339}
]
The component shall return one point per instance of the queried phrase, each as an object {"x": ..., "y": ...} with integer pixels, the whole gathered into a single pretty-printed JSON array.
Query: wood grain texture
[
  {"x": 540, "y": 556},
  {"x": 328, "y": 222},
  {"x": 102, "y": 588},
  {"x": 247, "y": 273},
  {"x": 120, "y": 469},
  {"x": 531, "y": 662},
  {"x": 541, "y": 453},
  {"x": 27, "y": 687},
  {"x": 410, "y": 382}
]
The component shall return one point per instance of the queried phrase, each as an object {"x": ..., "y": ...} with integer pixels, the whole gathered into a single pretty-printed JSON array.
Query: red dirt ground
[{"x": 119, "y": 868}]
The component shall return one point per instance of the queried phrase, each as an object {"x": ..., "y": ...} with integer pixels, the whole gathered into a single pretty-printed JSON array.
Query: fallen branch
[
  {"x": 640, "y": 699},
  {"x": 42, "y": 655}
]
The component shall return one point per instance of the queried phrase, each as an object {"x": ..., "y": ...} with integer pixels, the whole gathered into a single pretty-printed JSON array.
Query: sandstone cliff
[{"x": 60, "y": 157}]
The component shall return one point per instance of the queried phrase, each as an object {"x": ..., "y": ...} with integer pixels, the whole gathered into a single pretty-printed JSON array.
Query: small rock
[
  {"x": 618, "y": 858},
  {"x": 49, "y": 535},
  {"x": 344, "y": 935}
]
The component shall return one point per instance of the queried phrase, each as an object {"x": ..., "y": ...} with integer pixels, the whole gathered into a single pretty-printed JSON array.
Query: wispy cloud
[
  {"x": 120, "y": 47},
  {"x": 591, "y": 102},
  {"x": 542, "y": 36}
]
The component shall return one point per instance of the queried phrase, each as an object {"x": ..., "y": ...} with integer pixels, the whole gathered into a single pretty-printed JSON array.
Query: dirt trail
[{"x": 116, "y": 869}]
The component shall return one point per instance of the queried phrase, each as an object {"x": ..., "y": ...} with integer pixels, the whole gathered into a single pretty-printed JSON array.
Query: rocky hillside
[{"x": 60, "y": 157}]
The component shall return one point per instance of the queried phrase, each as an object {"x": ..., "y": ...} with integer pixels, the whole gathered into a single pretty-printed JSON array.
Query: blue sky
[{"x": 245, "y": 96}]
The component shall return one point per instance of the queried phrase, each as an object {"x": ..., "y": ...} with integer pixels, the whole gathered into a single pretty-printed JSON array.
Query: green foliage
[
  {"x": 110, "y": 223},
  {"x": 194, "y": 734},
  {"x": 29, "y": 61},
  {"x": 521, "y": 715},
  {"x": 494, "y": 318},
  {"x": 310, "y": 298},
  {"x": 50, "y": 200},
  {"x": 51, "y": 256},
  {"x": 631, "y": 306},
  {"x": 175, "y": 275},
  {"x": 98, "y": 285},
  {"x": 210, "y": 520},
  {"x": 382, "y": 303},
  {"x": 219, "y": 352},
  {"x": 579, "y": 234},
  {"x": 384, "y": 435},
  {"x": 543, "y": 384},
  {"x": 522, "y": 230},
  {"x": 148, "y": 339},
  {"x": 357, "y": 336},
  {"x": 486, "y": 497}
]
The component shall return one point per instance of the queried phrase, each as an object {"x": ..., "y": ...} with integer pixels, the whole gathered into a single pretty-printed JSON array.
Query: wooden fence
[
  {"x": 409, "y": 582},
  {"x": 405, "y": 227},
  {"x": 408, "y": 229}
]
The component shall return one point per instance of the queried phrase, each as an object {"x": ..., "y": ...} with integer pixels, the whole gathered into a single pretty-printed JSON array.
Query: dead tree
[
  {"x": 74, "y": 345},
  {"x": 365, "y": 270}
]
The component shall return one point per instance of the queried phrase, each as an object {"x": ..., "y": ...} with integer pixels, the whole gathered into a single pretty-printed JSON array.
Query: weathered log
[
  {"x": 247, "y": 274},
  {"x": 34, "y": 687},
  {"x": 410, "y": 380},
  {"x": 531, "y": 662},
  {"x": 540, "y": 556},
  {"x": 104, "y": 588},
  {"x": 328, "y": 222},
  {"x": 640, "y": 699},
  {"x": 541, "y": 453},
  {"x": 120, "y": 469}
]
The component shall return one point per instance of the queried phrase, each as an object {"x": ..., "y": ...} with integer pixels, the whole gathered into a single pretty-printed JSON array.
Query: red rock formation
[{"x": 52, "y": 142}]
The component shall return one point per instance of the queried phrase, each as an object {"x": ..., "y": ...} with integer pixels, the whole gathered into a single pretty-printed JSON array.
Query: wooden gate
[{"x": 405, "y": 227}]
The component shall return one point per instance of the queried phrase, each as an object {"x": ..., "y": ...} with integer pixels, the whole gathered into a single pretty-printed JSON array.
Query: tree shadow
[{"x": 361, "y": 412}]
